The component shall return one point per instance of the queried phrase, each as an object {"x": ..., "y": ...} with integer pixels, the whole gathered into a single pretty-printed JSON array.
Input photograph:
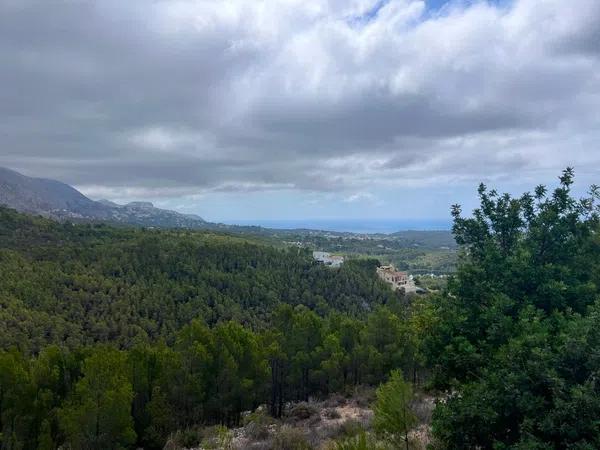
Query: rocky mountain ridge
[{"x": 56, "y": 200}]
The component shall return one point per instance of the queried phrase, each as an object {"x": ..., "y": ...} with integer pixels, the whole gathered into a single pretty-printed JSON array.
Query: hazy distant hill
[
  {"x": 427, "y": 239},
  {"x": 58, "y": 200}
]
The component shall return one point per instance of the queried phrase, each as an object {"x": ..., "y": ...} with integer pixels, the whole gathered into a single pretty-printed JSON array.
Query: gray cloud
[{"x": 169, "y": 98}]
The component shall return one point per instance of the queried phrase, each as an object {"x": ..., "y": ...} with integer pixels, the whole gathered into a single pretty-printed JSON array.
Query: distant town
[{"x": 399, "y": 280}]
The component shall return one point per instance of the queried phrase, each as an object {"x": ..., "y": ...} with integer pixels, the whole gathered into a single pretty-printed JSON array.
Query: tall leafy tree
[{"x": 509, "y": 335}]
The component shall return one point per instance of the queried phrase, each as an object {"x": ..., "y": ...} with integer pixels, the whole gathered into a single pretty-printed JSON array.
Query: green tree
[
  {"x": 393, "y": 415},
  {"x": 45, "y": 441},
  {"x": 514, "y": 333},
  {"x": 17, "y": 425},
  {"x": 98, "y": 414},
  {"x": 161, "y": 421}
]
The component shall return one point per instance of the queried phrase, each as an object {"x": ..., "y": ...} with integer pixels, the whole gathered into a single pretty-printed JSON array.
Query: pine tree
[{"x": 393, "y": 416}]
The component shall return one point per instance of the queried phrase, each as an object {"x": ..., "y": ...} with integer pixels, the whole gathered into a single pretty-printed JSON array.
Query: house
[
  {"x": 398, "y": 279},
  {"x": 328, "y": 259}
]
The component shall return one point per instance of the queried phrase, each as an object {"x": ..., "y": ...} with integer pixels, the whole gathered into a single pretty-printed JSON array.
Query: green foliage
[
  {"x": 303, "y": 410},
  {"x": 45, "y": 441},
  {"x": 118, "y": 337},
  {"x": 393, "y": 416},
  {"x": 76, "y": 285},
  {"x": 363, "y": 441},
  {"x": 256, "y": 424},
  {"x": 97, "y": 414},
  {"x": 220, "y": 439},
  {"x": 517, "y": 332},
  {"x": 288, "y": 438},
  {"x": 351, "y": 428}
]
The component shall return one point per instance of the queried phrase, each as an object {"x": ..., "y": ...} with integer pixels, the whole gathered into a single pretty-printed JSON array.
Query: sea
[{"x": 366, "y": 226}]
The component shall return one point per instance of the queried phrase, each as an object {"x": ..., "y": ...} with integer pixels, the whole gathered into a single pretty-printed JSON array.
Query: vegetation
[
  {"x": 79, "y": 285},
  {"x": 393, "y": 415},
  {"x": 114, "y": 338},
  {"x": 421, "y": 252},
  {"x": 124, "y": 338},
  {"x": 517, "y": 334},
  {"x": 363, "y": 441}
]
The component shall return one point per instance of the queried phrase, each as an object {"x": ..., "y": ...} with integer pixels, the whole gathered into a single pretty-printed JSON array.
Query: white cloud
[
  {"x": 170, "y": 140},
  {"x": 362, "y": 197},
  {"x": 189, "y": 96}
]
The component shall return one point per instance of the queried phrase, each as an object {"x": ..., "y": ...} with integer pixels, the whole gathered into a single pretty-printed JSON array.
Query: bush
[
  {"x": 256, "y": 425},
  {"x": 363, "y": 441},
  {"x": 303, "y": 411},
  {"x": 218, "y": 438},
  {"x": 257, "y": 431},
  {"x": 393, "y": 415},
  {"x": 351, "y": 428},
  {"x": 289, "y": 438},
  {"x": 186, "y": 438}
]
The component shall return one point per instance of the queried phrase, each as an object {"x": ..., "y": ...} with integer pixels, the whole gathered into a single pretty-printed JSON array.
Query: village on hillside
[{"x": 388, "y": 273}]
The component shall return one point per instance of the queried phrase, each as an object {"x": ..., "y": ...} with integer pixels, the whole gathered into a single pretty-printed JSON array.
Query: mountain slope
[
  {"x": 37, "y": 195},
  {"x": 58, "y": 200}
]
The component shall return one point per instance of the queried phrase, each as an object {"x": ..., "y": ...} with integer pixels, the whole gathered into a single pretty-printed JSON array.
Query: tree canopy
[
  {"x": 516, "y": 334},
  {"x": 118, "y": 337}
]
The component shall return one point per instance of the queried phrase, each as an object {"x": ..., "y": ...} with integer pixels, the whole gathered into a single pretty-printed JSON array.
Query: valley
[{"x": 119, "y": 337}]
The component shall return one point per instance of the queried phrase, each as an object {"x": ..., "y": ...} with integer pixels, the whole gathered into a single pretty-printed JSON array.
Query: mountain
[{"x": 53, "y": 199}]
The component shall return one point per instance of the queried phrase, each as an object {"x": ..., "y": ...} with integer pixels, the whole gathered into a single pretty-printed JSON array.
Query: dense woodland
[
  {"x": 79, "y": 285},
  {"x": 420, "y": 252},
  {"x": 115, "y": 338},
  {"x": 118, "y": 337}
]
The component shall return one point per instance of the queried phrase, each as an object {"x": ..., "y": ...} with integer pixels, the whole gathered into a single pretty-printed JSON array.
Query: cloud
[
  {"x": 363, "y": 197},
  {"x": 176, "y": 98}
]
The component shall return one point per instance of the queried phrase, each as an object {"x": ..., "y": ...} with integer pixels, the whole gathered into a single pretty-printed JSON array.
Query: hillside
[
  {"x": 417, "y": 251},
  {"x": 189, "y": 327},
  {"x": 133, "y": 338},
  {"x": 53, "y": 199},
  {"x": 63, "y": 283}
]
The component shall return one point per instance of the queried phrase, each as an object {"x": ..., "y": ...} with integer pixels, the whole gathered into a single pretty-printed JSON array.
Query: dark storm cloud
[{"x": 193, "y": 96}]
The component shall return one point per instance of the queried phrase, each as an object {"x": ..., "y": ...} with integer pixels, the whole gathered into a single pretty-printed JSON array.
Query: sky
[{"x": 295, "y": 109}]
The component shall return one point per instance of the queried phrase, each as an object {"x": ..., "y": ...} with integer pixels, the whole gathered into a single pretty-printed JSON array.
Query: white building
[{"x": 328, "y": 259}]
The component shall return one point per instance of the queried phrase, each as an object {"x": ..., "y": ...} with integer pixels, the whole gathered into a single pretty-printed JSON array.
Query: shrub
[
  {"x": 257, "y": 431},
  {"x": 303, "y": 411},
  {"x": 393, "y": 416},
  {"x": 218, "y": 438},
  {"x": 364, "y": 396},
  {"x": 186, "y": 438},
  {"x": 362, "y": 441},
  {"x": 351, "y": 428},
  {"x": 256, "y": 425},
  {"x": 289, "y": 438}
]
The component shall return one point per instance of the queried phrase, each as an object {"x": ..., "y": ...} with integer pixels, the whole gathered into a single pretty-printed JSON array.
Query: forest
[
  {"x": 115, "y": 337},
  {"x": 119, "y": 337},
  {"x": 417, "y": 251}
]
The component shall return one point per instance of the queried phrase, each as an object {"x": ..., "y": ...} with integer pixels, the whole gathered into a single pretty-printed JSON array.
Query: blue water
[{"x": 352, "y": 226}]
